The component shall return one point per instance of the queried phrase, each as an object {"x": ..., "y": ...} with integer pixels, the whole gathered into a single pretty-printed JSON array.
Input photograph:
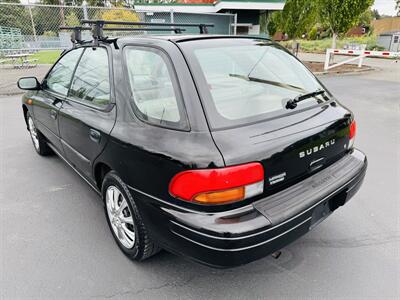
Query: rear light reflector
[
  {"x": 352, "y": 134},
  {"x": 218, "y": 186}
]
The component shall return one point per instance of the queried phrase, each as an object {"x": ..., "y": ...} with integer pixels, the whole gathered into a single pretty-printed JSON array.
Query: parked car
[{"x": 222, "y": 149}]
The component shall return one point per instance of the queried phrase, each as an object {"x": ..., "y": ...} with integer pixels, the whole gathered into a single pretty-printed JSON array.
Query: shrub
[
  {"x": 71, "y": 19},
  {"x": 312, "y": 34},
  {"x": 320, "y": 46},
  {"x": 49, "y": 33},
  {"x": 120, "y": 15},
  {"x": 375, "y": 48}
]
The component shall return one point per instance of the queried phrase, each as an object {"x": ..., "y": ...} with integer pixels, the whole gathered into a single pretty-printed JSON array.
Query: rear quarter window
[{"x": 155, "y": 94}]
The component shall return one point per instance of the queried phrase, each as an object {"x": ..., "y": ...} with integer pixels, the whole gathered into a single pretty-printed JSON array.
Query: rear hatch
[
  {"x": 246, "y": 86},
  {"x": 290, "y": 148}
]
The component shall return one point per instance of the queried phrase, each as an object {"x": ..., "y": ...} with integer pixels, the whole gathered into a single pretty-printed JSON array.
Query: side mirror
[{"x": 28, "y": 83}]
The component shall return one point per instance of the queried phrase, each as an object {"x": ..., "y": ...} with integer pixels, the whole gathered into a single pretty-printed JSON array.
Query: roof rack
[{"x": 97, "y": 29}]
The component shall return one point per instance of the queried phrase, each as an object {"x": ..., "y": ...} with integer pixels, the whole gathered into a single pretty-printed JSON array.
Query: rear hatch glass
[{"x": 242, "y": 81}]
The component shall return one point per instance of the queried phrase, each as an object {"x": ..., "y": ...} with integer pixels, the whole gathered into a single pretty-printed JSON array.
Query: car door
[
  {"x": 88, "y": 112},
  {"x": 49, "y": 99}
]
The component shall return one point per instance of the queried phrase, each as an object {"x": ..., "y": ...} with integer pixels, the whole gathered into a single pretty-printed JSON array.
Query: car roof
[
  {"x": 182, "y": 37},
  {"x": 172, "y": 38}
]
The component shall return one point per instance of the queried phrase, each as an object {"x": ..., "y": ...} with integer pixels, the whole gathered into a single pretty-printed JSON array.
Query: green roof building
[{"x": 247, "y": 11}]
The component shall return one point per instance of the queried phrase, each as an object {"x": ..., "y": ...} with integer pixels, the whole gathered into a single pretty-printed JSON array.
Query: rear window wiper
[
  {"x": 292, "y": 103},
  {"x": 270, "y": 82}
]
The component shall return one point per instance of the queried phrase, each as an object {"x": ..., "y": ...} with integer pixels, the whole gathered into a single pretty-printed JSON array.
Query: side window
[
  {"x": 155, "y": 96},
  {"x": 59, "y": 78},
  {"x": 91, "y": 81}
]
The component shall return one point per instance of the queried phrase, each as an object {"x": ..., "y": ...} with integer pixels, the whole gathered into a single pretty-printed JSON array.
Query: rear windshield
[{"x": 247, "y": 80}]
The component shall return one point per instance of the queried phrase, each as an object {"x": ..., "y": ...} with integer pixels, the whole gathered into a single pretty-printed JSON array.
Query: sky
[{"x": 385, "y": 7}]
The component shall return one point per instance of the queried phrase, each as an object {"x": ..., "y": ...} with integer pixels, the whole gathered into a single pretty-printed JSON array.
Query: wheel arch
[
  {"x": 25, "y": 110},
  {"x": 100, "y": 171}
]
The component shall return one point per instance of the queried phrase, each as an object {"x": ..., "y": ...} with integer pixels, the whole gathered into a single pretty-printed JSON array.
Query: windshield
[{"x": 246, "y": 80}]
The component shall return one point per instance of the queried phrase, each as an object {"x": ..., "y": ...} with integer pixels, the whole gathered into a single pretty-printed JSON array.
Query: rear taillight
[
  {"x": 218, "y": 186},
  {"x": 352, "y": 134}
]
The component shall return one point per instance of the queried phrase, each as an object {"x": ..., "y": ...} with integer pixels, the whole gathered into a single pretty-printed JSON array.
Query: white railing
[{"x": 356, "y": 55}]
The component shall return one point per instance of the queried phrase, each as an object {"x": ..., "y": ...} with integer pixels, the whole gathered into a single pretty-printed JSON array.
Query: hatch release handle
[{"x": 317, "y": 164}]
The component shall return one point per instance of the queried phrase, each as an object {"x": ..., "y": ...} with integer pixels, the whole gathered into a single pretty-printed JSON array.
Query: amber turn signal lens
[
  {"x": 29, "y": 101},
  {"x": 230, "y": 195}
]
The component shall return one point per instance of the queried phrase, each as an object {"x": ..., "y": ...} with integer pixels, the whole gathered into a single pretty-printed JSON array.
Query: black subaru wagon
[{"x": 222, "y": 149}]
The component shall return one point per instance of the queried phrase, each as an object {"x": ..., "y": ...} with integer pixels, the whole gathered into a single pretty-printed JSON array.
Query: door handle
[
  {"x": 53, "y": 114},
  {"x": 95, "y": 135}
]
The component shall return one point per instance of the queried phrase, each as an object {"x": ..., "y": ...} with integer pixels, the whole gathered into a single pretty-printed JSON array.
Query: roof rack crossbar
[
  {"x": 202, "y": 26},
  {"x": 176, "y": 30}
]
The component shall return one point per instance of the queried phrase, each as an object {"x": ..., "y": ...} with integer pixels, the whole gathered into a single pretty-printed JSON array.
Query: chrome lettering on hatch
[
  {"x": 315, "y": 149},
  {"x": 277, "y": 178}
]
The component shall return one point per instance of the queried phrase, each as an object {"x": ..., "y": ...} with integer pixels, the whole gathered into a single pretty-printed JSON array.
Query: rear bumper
[{"x": 236, "y": 237}]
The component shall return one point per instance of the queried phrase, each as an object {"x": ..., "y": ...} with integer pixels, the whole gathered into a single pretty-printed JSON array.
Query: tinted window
[
  {"x": 153, "y": 87},
  {"x": 91, "y": 81},
  {"x": 247, "y": 80},
  {"x": 60, "y": 75}
]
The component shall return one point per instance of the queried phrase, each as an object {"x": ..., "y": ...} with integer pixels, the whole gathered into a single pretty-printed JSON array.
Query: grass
[
  {"x": 320, "y": 46},
  {"x": 46, "y": 56}
]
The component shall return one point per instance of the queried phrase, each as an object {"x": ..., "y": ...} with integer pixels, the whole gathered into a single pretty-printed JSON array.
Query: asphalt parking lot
[{"x": 55, "y": 242}]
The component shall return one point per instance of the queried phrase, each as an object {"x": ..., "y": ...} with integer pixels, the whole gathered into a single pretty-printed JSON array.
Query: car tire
[
  {"x": 38, "y": 140},
  {"x": 123, "y": 222}
]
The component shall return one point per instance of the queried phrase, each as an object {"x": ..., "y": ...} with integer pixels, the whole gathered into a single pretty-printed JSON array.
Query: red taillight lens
[
  {"x": 352, "y": 134},
  {"x": 216, "y": 186},
  {"x": 353, "y": 129}
]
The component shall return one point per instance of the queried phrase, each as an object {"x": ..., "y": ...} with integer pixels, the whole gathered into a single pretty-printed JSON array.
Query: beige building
[{"x": 386, "y": 25}]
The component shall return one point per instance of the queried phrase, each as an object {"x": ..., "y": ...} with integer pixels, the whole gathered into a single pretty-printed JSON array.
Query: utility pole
[
  {"x": 62, "y": 16},
  {"x": 32, "y": 22}
]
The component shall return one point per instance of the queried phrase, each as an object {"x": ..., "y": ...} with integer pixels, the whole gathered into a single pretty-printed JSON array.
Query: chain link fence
[{"x": 35, "y": 27}]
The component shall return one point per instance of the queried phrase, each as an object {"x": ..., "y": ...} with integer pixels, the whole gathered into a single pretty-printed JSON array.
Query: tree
[
  {"x": 298, "y": 17},
  {"x": 377, "y": 15},
  {"x": 274, "y": 23},
  {"x": 366, "y": 18},
  {"x": 93, "y": 2},
  {"x": 15, "y": 16},
  {"x": 119, "y": 15},
  {"x": 398, "y": 7},
  {"x": 71, "y": 19},
  {"x": 48, "y": 19},
  {"x": 341, "y": 15}
]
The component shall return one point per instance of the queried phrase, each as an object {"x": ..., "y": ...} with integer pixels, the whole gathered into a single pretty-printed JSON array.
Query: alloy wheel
[
  {"x": 33, "y": 132},
  {"x": 120, "y": 217}
]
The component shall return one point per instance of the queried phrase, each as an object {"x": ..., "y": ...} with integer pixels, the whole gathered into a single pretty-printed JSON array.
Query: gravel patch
[{"x": 10, "y": 75}]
